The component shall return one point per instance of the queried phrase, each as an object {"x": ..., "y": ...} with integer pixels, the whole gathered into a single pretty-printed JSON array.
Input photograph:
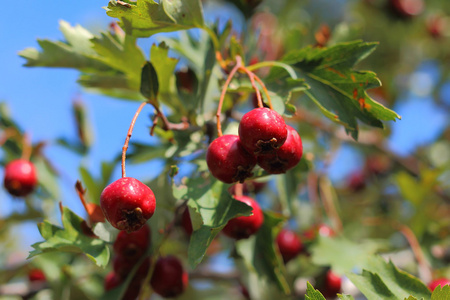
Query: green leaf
[
  {"x": 441, "y": 293},
  {"x": 313, "y": 294},
  {"x": 382, "y": 280},
  {"x": 345, "y": 297},
  {"x": 148, "y": 17},
  {"x": 76, "y": 52},
  {"x": 216, "y": 207},
  {"x": 260, "y": 255},
  {"x": 351, "y": 253},
  {"x": 337, "y": 89},
  {"x": 122, "y": 55},
  {"x": 71, "y": 239},
  {"x": 149, "y": 82}
]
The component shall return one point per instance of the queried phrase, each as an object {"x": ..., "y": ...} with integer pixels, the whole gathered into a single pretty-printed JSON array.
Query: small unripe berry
[
  {"x": 20, "y": 177},
  {"x": 262, "y": 130},
  {"x": 127, "y": 204},
  {"x": 228, "y": 161},
  {"x": 289, "y": 244},
  {"x": 245, "y": 226},
  {"x": 133, "y": 245},
  {"x": 284, "y": 158},
  {"x": 169, "y": 279}
]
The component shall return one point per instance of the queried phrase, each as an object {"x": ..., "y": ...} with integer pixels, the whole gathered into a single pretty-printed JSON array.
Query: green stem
[
  {"x": 263, "y": 64},
  {"x": 213, "y": 37}
]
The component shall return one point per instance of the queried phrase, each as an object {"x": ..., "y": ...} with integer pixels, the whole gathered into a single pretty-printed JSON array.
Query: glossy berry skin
[
  {"x": 262, "y": 130},
  {"x": 133, "y": 245},
  {"x": 169, "y": 279},
  {"x": 284, "y": 158},
  {"x": 245, "y": 226},
  {"x": 435, "y": 283},
  {"x": 127, "y": 204},
  {"x": 228, "y": 161},
  {"x": 289, "y": 244},
  {"x": 20, "y": 177},
  {"x": 331, "y": 285},
  {"x": 35, "y": 275}
]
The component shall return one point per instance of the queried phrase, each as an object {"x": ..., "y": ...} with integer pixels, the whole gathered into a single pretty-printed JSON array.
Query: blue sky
[{"x": 40, "y": 100}]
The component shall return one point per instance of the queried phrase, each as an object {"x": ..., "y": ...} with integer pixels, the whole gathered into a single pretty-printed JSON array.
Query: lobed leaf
[
  {"x": 70, "y": 238},
  {"x": 147, "y": 17}
]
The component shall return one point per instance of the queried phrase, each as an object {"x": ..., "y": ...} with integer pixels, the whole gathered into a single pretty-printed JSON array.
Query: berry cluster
[
  {"x": 168, "y": 279},
  {"x": 264, "y": 139}
]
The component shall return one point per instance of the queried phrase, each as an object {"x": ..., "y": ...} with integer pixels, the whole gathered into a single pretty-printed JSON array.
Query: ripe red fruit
[
  {"x": 262, "y": 130},
  {"x": 112, "y": 280},
  {"x": 284, "y": 158},
  {"x": 20, "y": 177},
  {"x": 435, "y": 283},
  {"x": 331, "y": 285},
  {"x": 131, "y": 246},
  {"x": 245, "y": 226},
  {"x": 228, "y": 161},
  {"x": 407, "y": 8},
  {"x": 357, "y": 181},
  {"x": 186, "y": 222},
  {"x": 289, "y": 244},
  {"x": 127, "y": 204},
  {"x": 123, "y": 266},
  {"x": 35, "y": 275},
  {"x": 169, "y": 278}
]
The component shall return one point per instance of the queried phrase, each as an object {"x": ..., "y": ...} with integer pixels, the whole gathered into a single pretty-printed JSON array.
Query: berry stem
[
  {"x": 266, "y": 92},
  {"x": 81, "y": 192},
  {"x": 252, "y": 76},
  {"x": 26, "y": 147},
  {"x": 127, "y": 139},
  {"x": 224, "y": 91},
  {"x": 328, "y": 198}
]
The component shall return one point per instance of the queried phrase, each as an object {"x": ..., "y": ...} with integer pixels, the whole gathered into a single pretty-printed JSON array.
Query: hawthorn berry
[
  {"x": 407, "y": 8},
  {"x": 228, "y": 161},
  {"x": 169, "y": 279},
  {"x": 331, "y": 285},
  {"x": 435, "y": 283},
  {"x": 111, "y": 281},
  {"x": 35, "y": 275},
  {"x": 262, "y": 130},
  {"x": 289, "y": 244},
  {"x": 20, "y": 177},
  {"x": 127, "y": 204},
  {"x": 318, "y": 230},
  {"x": 245, "y": 226},
  {"x": 284, "y": 158},
  {"x": 186, "y": 222},
  {"x": 356, "y": 181},
  {"x": 131, "y": 246}
]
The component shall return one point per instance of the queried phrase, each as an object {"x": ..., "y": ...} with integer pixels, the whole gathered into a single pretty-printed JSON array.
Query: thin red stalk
[
  {"x": 81, "y": 192},
  {"x": 127, "y": 140},
  {"x": 224, "y": 91},
  {"x": 251, "y": 76},
  {"x": 265, "y": 90},
  {"x": 26, "y": 147}
]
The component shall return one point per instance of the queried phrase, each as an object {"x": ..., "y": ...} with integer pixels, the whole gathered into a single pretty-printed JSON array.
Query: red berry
[
  {"x": 289, "y": 244},
  {"x": 228, "y": 161},
  {"x": 407, "y": 8},
  {"x": 131, "y": 246},
  {"x": 169, "y": 278},
  {"x": 20, "y": 177},
  {"x": 186, "y": 222},
  {"x": 284, "y": 158},
  {"x": 112, "y": 280},
  {"x": 36, "y": 275},
  {"x": 127, "y": 204},
  {"x": 331, "y": 285},
  {"x": 245, "y": 226},
  {"x": 357, "y": 181},
  {"x": 262, "y": 130},
  {"x": 321, "y": 230},
  {"x": 435, "y": 283}
]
